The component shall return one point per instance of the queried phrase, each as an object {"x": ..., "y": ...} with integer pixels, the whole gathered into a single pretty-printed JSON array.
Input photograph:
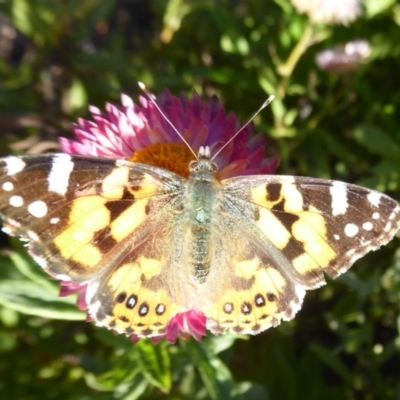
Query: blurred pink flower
[
  {"x": 329, "y": 11},
  {"x": 68, "y": 288},
  {"x": 140, "y": 133},
  {"x": 184, "y": 325},
  {"x": 344, "y": 58}
]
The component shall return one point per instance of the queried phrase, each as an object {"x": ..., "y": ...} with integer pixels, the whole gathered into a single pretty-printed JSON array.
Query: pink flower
[
  {"x": 189, "y": 323},
  {"x": 184, "y": 325},
  {"x": 344, "y": 58},
  {"x": 329, "y": 11},
  {"x": 140, "y": 133},
  {"x": 68, "y": 288}
]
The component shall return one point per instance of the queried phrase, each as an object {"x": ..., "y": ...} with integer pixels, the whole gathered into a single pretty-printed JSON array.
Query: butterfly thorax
[{"x": 201, "y": 197}]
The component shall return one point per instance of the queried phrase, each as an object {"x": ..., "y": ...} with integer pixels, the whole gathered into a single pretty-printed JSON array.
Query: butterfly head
[{"x": 203, "y": 162}]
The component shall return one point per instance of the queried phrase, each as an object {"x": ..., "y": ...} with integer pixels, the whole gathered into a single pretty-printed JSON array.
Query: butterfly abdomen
[{"x": 202, "y": 194}]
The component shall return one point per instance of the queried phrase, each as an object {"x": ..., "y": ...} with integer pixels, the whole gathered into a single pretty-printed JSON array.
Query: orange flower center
[{"x": 174, "y": 157}]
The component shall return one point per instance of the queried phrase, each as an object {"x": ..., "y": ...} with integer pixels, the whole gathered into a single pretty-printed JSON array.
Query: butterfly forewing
[
  {"x": 73, "y": 209},
  {"x": 318, "y": 225}
]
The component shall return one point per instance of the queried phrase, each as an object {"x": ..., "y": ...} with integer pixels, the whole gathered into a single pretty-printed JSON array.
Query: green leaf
[
  {"x": 174, "y": 14},
  {"x": 207, "y": 369},
  {"x": 374, "y": 7},
  {"x": 331, "y": 360},
  {"x": 377, "y": 141},
  {"x": 135, "y": 389},
  {"x": 155, "y": 363},
  {"x": 30, "y": 270},
  {"x": 35, "y": 21},
  {"x": 75, "y": 98},
  {"x": 218, "y": 344},
  {"x": 33, "y": 299}
]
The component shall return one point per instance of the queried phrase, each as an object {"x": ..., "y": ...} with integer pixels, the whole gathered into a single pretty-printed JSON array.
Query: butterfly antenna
[
  {"x": 266, "y": 102},
  {"x": 153, "y": 99}
]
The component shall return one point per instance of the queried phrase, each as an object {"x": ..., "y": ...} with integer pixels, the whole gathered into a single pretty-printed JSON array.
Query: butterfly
[{"x": 150, "y": 244}]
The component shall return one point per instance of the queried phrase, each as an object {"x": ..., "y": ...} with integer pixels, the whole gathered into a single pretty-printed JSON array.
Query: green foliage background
[{"x": 345, "y": 342}]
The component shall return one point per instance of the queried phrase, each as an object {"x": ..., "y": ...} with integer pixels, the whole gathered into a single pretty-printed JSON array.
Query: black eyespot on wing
[
  {"x": 271, "y": 297},
  {"x": 131, "y": 302},
  {"x": 121, "y": 297},
  {"x": 160, "y": 309},
  {"x": 246, "y": 308},
  {"x": 143, "y": 309},
  {"x": 259, "y": 300}
]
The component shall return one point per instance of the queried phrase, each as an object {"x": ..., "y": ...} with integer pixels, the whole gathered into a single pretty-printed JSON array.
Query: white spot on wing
[
  {"x": 394, "y": 213},
  {"x": 388, "y": 227},
  {"x": 32, "y": 235},
  {"x": 339, "y": 198},
  {"x": 295, "y": 305},
  {"x": 374, "y": 198},
  {"x": 16, "y": 201},
  {"x": 38, "y": 209},
  {"x": 8, "y": 186},
  {"x": 122, "y": 163},
  {"x": 90, "y": 293},
  {"x": 14, "y": 165},
  {"x": 55, "y": 220},
  {"x": 6, "y": 230},
  {"x": 351, "y": 230},
  {"x": 41, "y": 261},
  {"x": 368, "y": 226},
  {"x": 13, "y": 223},
  {"x": 63, "y": 277},
  {"x": 337, "y": 237},
  {"x": 375, "y": 215},
  {"x": 61, "y": 169}
]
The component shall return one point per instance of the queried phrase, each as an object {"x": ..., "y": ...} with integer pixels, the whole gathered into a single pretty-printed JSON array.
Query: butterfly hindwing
[
  {"x": 250, "y": 287},
  {"x": 149, "y": 282}
]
